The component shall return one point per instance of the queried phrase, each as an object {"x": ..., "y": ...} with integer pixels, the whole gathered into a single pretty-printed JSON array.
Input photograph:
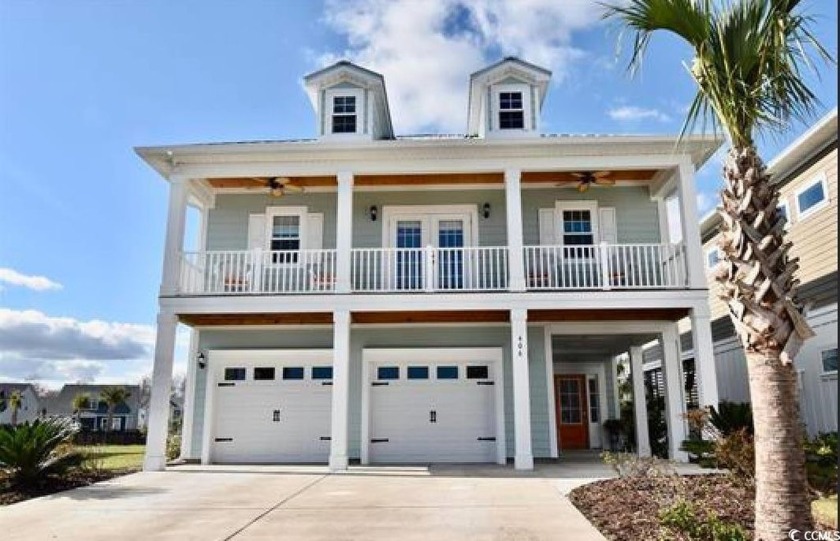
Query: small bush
[
  {"x": 629, "y": 465},
  {"x": 31, "y": 452},
  {"x": 723, "y": 438},
  {"x": 821, "y": 456},
  {"x": 736, "y": 453},
  {"x": 173, "y": 446},
  {"x": 682, "y": 518}
]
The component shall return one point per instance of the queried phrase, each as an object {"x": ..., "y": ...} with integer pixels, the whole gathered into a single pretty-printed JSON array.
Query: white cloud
[
  {"x": 15, "y": 278},
  {"x": 427, "y": 50},
  {"x": 629, "y": 113}
]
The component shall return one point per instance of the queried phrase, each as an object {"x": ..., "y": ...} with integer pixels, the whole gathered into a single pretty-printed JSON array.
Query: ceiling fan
[
  {"x": 588, "y": 178},
  {"x": 278, "y": 186}
]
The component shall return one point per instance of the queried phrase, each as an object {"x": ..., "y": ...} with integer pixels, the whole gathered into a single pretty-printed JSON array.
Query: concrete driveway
[{"x": 266, "y": 502}]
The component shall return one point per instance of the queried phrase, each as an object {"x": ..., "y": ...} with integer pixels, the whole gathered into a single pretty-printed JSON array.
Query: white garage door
[
  {"x": 441, "y": 411},
  {"x": 272, "y": 410}
]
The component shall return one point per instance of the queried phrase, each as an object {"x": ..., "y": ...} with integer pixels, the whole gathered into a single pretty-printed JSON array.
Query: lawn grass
[
  {"x": 825, "y": 511},
  {"x": 115, "y": 457}
]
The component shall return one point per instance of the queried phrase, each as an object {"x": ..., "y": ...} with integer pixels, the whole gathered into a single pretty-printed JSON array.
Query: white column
[
  {"x": 551, "y": 393},
  {"x": 674, "y": 399},
  {"x": 690, "y": 222},
  {"x": 340, "y": 390},
  {"x": 639, "y": 402},
  {"x": 344, "y": 231},
  {"x": 705, "y": 370},
  {"x": 158, "y": 425},
  {"x": 174, "y": 242},
  {"x": 513, "y": 207},
  {"x": 190, "y": 384},
  {"x": 523, "y": 457},
  {"x": 612, "y": 370}
]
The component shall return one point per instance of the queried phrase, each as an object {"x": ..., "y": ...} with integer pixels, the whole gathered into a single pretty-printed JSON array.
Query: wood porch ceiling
[
  {"x": 435, "y": 316},
  {"x": 529, "y": 177}
]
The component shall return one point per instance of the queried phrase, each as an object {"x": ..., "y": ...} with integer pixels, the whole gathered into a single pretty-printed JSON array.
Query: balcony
[{"x": 434, "y": 270}]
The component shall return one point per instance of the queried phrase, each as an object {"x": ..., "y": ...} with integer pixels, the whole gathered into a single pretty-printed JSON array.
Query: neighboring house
[
  {"x": 444, "y": 298},
  {"x": 30, "y": 407},
  {"x": 807, "y": 174},
  {"x": 95, "y": 418}
]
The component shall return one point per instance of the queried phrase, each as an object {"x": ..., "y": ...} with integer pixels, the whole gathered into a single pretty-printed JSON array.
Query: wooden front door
[{"x": 572, "y": 413}]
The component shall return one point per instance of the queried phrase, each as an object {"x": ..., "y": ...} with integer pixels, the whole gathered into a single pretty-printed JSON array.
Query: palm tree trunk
[
  {"x": 781, "y": 501},
  {"x": 759, "y": 286}
]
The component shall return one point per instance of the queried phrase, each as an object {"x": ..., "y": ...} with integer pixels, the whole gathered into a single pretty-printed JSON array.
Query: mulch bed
[
  {"x": 628, "y": 508},
  {"x": 10, "y": 495}
]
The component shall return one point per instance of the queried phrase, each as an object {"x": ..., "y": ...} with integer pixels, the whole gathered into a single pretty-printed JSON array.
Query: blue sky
[{"x": 83, "y": 82}]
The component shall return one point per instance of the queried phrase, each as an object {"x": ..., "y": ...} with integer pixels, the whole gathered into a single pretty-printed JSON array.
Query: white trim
[
  {"x": 562, "y": 205},
  {"x": 426, "y": 212},
  {"x": 819, "y": 178},
  {"x": 495, "y": 129},
  {"x": 553, "y": 442},
  {"x": 216, "y": 358},
  {"x": 187, "y": 428},
  {"x": 454, "y": 355},
  {"x": 274, "y": 211},
  {"x": 361, "y": 116}
]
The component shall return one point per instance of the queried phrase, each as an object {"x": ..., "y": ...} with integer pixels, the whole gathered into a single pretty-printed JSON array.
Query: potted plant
[{"x": 614, "y": 428}]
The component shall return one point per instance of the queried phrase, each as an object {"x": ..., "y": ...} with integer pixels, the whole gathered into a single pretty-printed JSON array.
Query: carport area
[{"x": 307, "y": 502}]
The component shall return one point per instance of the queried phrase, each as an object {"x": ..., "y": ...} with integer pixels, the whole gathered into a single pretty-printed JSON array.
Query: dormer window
[
  {"x": 511, "y": 111},
  {"x": 344, "y": 114}
]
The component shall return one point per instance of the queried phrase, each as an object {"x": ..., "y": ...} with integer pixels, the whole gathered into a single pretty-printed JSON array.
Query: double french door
[{"x": 430, "y": 251}]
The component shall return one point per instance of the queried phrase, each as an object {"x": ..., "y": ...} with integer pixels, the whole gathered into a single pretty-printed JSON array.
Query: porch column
[
  {"x": 639, "y": 401},
  {"x": 513, "y": 209},
  {"x": 612, "y": 370},
  {"x": 674, "y": 399},
  {"x": 189, "y": 398},
  {"x": 158, "y": 421},
  {"x": 523, "y": 457},
  {"x": 705, "y": 370},
  {"x": 340, "y": 390},
  {"x": 344, "y": 232},
  {"x": 174, "y": 241},
  {"x": 690, "y": 223}
]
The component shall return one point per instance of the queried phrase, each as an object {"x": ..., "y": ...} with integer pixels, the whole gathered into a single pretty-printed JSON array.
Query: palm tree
[
  {"x": 747, "y": 66},
  {"x": 81, "y": 401},
  {"x": 15, "y": 402},
  {"x": 113, "y": 396}
]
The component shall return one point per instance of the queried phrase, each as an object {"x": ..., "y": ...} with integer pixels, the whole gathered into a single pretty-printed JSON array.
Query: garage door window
[
  {"x": 447, "y": 372},
  {"x": 234, "y": 374},
  {"x": 418, "y": 372},
  {"x": 388, "y": 372},
  {"x": 478, "y": 372},
  {"x": 264, "y": 373},
  {"x": 322, "y": 372},
  {"x": 292, "y": 372}
]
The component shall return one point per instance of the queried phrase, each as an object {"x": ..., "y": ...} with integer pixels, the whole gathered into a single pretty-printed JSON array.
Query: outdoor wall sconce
[
  {"x": 374, "y": 212},
  {"x": 485, "y": 210},
  {"x": 202, "y": 360}
]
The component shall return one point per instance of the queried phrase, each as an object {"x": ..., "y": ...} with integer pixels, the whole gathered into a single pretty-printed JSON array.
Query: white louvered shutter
[
  {"x": 607, "y": 226},
  {"x": 314, "y": 231},
  {"x": 256, "y": 232},
  {"x": 548, "y": 229}
]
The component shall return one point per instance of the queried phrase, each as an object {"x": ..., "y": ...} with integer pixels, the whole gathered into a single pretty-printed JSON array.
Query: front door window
[
  {"x": 451, "y": 259},
  {"x": 409, "y": 256}
]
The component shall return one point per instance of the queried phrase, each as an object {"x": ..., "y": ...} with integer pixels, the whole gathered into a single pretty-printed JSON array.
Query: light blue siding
[
  {"x": 402, "y": 337},
  {"x": 637, "y": 217},
  {"x": 227, "y": 224}
]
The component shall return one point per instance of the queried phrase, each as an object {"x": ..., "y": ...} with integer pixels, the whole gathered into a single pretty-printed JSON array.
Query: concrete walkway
[{"x": 290, "y": 502}]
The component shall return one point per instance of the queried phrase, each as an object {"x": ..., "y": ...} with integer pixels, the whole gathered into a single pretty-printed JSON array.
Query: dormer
[
  {"x": 350, "y": 103},
  {"x": 506, "y": 99}
]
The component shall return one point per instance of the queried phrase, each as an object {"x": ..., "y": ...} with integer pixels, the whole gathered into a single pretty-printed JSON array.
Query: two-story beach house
[{"x": 417, "y": 299}]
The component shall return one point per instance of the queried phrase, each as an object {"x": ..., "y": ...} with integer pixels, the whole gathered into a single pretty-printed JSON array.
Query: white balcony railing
[
  {"x": 431, "y": 269},
  {"x": 388, "y": 270},
  {"x": 605, "y": 266},
  {"x": 258, "y": 272}
]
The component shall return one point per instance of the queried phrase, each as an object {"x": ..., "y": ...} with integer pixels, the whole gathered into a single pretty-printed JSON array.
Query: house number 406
[{"x": 520, "y": 346}]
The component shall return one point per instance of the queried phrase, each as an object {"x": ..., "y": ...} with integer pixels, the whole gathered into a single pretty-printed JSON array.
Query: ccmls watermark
[{"x": 813, "y": 535}]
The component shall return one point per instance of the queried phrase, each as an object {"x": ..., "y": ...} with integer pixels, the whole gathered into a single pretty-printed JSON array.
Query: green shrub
[
  {"x": 682, "y": 518},
  {"x": 730, "y": 417},
  {"x": 821, "y": 456},
  {"x": 31, "y": 452},
  {"x": 173, "y": 446},
  {"x": 723, "y": 438}
]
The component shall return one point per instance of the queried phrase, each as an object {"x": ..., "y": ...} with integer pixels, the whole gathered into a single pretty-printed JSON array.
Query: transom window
[
  {"x": 292, "y": 372},
  {"x": 829, "y": 360},
  {"x": 447, "y": 372},
  {"x": 344, "y": 114},
  {"x": 478, "y": 372},
  {"x": 418, "y": 372},
  {"x": 388, "y": 372},
  {"x": 264, "y": 373},
  {"x": 322, "y": 372},
  {"x": 511, "y": 111},
  {"x": 812, "y": 198},
  {"x": 577, "y": 228}
]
